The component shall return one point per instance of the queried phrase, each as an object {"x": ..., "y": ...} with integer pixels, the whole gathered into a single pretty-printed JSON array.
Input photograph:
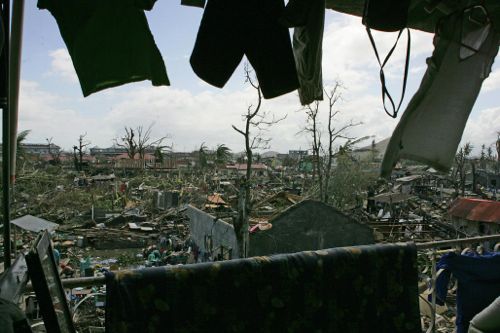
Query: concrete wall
[
  {"x": 309, "y": 225},
  {"x": 475, "y": 228},
  {"x": 202, "y": 224}
]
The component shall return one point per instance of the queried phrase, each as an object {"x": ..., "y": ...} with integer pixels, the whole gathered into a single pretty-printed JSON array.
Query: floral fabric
[{"x": 353, "y": 289}]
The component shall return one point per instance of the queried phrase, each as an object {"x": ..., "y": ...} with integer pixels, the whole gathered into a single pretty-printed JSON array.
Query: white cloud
[
  {"x": 188, "y": 118},
  {"x": 482, "y": 128},
  {"x": 61, "y": 65},
  {"x": 46, "y": 115},
  {"x": 349, "y": 56},
  {"x": 492, "y": 83}
]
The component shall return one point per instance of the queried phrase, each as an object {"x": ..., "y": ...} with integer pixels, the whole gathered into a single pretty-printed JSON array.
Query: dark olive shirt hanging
[{"x": 109, "y": 42}]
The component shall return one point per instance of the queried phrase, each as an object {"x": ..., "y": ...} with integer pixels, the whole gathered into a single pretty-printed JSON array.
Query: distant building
[
  {"x": 111, "y": 151},
  {"x": 297, "y": 154},
  {"x": 182, "y": 155},
  {"x": 282, "y": 156},
  {"x": 488, "y": 179},
  {"x": 41, "y": 148},
  {"x": 257, "y": 169},
  {"x": 373, "y": 152},
  {"x": 114, "y": 151}
]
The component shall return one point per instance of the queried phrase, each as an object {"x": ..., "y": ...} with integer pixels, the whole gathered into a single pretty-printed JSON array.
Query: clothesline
[{"x": 452, "y": 242}]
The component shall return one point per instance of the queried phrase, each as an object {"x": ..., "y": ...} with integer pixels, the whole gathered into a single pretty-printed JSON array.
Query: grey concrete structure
[
  {"x": 309, "y": 225},
  {"x": 210, "y": 234}
]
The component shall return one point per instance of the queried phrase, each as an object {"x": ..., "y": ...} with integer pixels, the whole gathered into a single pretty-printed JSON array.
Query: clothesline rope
[{"x": 452, "y": 242}]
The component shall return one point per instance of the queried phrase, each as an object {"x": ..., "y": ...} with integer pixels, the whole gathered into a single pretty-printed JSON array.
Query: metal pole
[
  {"x": 453, "y": 242},
  {"x": 433, "y": 295},
  {"x": 4, "y": 104},
  {"x": 14, "y": 80},
  {"x": 77, "y": 282}
]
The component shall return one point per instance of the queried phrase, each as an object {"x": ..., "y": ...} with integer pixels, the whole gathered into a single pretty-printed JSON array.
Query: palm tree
[
  {"x": 203, "y": 156},
  {"x": 21, "y": 137},
  {"x": 20, "y": 150},
  {"x": 222, "y": 154}
]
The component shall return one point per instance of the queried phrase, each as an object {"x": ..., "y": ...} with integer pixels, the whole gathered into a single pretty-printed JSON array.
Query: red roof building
[
  {"x": 476, "y": 217},
  {"x": 476, "y": 210}
]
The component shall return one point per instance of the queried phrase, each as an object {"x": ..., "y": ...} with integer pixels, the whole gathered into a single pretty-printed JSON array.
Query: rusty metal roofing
[
  {"x": 216, "y": 199},
  {"x": 476, "y": 210}
]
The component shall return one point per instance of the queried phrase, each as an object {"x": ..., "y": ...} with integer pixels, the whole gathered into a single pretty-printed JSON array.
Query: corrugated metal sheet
[
  {"x": 34, "y": 224},
  {"x": 391, "y": 198},
  {"x": 408, "y": 179},
  {"x": 476, "y": 210}
]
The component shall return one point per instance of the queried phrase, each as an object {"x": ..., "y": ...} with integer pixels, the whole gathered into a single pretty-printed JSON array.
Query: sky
[{"x": 191, "y": 112}]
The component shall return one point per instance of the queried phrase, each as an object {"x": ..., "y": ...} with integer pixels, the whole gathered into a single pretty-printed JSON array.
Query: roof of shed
[{"x": 476, "y": 210}]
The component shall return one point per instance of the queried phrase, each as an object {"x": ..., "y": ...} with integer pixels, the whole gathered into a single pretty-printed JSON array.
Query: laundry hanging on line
[
  {"x": 109, "y": 42},
  {"x": 354, "y": 289},
  {"x": 478, "y": 283},
  {"x": 230, "y": 29},
  {"x": 432, "y": 125},
  {"x": 307, "y": 17},
  {"x": 488, "y": 320},
  {"x": 194, "y": 3}
]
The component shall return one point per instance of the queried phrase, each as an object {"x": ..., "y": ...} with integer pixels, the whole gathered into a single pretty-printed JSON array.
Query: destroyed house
[
  {"x": 476, "y": 217},
  {"x": 408, "y": 182},
  {"x": 487, "y": 178},
  {"x": 309, "y": 225},
  {"x": 257, "y": 169},
  {"x": 372, "y": 152},
  {"x": 211, "y": 236}
]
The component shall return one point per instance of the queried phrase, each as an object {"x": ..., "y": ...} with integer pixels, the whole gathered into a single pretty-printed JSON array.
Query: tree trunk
[{"x": 240, "y": 223}]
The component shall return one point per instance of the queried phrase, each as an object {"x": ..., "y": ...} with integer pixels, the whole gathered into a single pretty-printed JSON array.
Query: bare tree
[
  {"x": 138, "y": 141},
  {"x": 128, "y": 142},
  {"x": 144, "y": 141},
  {"x": 489, "y": 154},
  {"x": 334, "y": 134},
  {"x": 254, "y": 120},
  {"x": 497, "y": 143},
  {"x": 459, "y": 172},
  {"x": 323, "y": 156},
  {"x": 79, "y": 151},
  {"x": 312, "y": 127}
]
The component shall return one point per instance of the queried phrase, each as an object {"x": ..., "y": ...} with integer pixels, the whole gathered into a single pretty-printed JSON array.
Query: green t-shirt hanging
[{"x": 109, "y": 42}]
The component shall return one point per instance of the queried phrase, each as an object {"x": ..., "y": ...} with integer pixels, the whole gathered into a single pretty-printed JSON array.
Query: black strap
[{"x": 385, "y": 92}]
